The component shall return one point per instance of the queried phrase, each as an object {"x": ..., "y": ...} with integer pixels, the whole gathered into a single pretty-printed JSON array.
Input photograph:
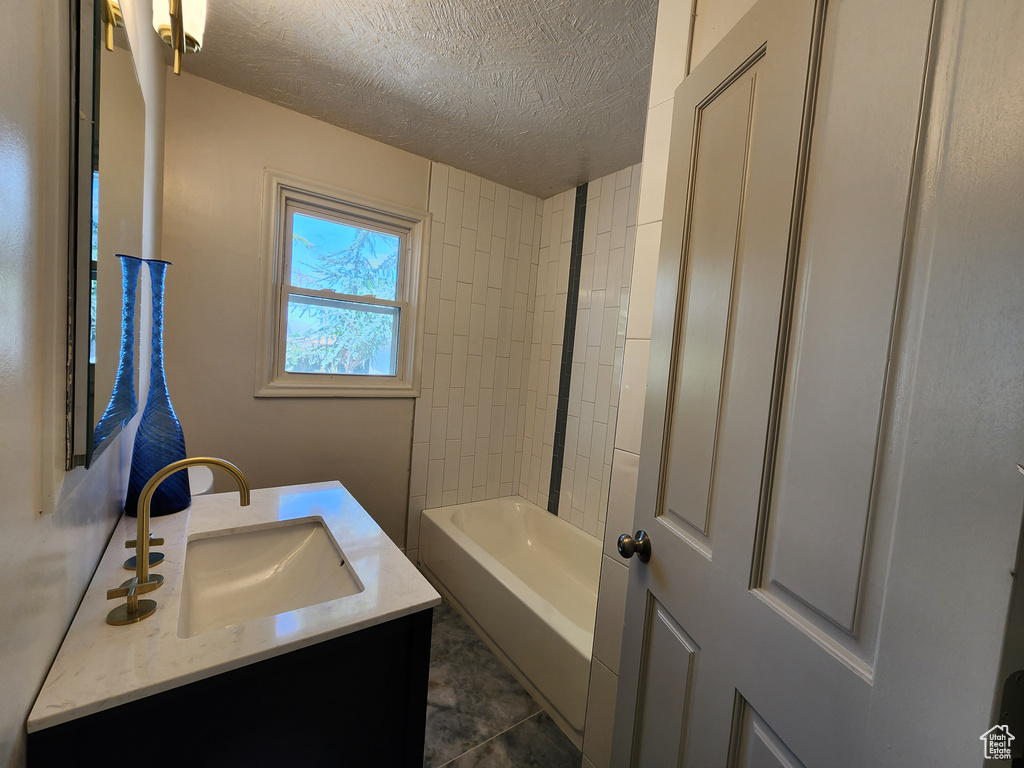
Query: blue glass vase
[
  {"x": 122, "y": 406},
  {"x": 159, "y": 440}
]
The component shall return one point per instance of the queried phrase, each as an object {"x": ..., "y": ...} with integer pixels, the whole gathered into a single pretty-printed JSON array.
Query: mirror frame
[{"x": 84, "y": 41}]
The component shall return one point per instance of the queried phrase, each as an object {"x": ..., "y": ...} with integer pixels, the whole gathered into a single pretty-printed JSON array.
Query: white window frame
[{"x": 283, "y": 192}]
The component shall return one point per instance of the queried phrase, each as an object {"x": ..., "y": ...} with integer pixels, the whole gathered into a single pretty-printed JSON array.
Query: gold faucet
[{"x": 134, "y": 609}]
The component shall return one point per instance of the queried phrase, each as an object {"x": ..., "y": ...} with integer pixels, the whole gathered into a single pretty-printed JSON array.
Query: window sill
[{"x": 334, "y": 389}]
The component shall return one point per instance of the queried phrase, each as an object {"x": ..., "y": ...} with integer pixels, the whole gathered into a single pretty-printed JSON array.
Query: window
[{"x": 340, "y": 296}]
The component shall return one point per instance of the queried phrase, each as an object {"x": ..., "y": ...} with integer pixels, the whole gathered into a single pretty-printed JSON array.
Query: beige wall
[
  {"x": 53, "y": 525},
  {"x": 713, "y": 19},
  {"x": 218, "y": 143}
]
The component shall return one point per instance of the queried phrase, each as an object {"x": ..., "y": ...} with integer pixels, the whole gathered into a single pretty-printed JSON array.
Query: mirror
[{"x": 107, "y": 207}]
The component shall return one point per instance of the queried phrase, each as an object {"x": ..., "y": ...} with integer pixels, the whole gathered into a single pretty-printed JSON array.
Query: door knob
[{"x": 640, "y": 546}]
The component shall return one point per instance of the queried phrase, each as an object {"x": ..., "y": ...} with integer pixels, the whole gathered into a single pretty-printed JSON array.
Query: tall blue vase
[
  {"x": 122, "y": 406},
  {"x": 159, "y": 440}
]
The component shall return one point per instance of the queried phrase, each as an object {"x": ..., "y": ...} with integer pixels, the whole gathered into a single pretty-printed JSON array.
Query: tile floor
[{"x": 478, "y": 714}]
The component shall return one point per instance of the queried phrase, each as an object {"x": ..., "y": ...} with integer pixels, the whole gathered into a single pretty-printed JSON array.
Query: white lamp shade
[{"x": 193, "y": 16}]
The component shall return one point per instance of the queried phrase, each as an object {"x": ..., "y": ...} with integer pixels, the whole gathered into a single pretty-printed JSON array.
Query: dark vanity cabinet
[{"x": 356, "y": 700}]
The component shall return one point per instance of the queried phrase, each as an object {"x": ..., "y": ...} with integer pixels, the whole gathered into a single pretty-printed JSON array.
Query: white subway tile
[
  {"x": 483, "y": 420},
  {"x": 471, "y": 204},
  {"x": 493, "y": 473},
  {"x": 477, "y": 315},
  {"x": 435, "y": 257},
  {"x": 452, "y": 455},
  {"x": 643, "y": 282},
  {"x": 442, "y": 377},
  {"x": 597, "y": 744},
  {"x": 453, "y": 216},
  {"x": 620, "y": 218},
  {"x": 433, "y": 305},
  {"x": 568, "y": 216},
  {"x": 621, "y": 498},
  {"x": 572, "y": 433},
  {"x": 609, "y": 328},
  {"x": 602, "y": 398},
  {"x": 480, "y": 463},
  {"x": 657, "y": 137},
  {"x": 465, "y": 478},
  {"x": 438, "y": 432},
  {"x": 632, "y": 392},
  {"x": 412, "y": 523},
  {"x": 418, "y": 469},
  {"x": 467, "y": 256},
  {"x": 590, "y": 370},
  {"x": 429, "y": 359},
  {"x": 485, "y": 225},
  {"x": 508, "y": 459},
  {"x": 596, "y": 319},
  {"x": 576, "y": 386},
  {"x": 456, "y": 397},
  {"x": 421, "y": 416},
  {"x": 501, "y": 211},
  {"x": 435, "y": 481},
  {"x": 468, "y": 436},
  {"x": 500, "y": 379},
  {"x": 516, "y": 364},
  {"x": 599, "y": 272},
  {"x": 473, "y": 379},
  {"x": 449, "y": 271},
  {"x": 497, "y": 429},
  {"x": 598, "y": 454},
  {"x": 438, "y": 195},
  {"x": 460, "y": 361},
  {"x": 463, "y": 307},
  {"x": 593, "y": 504}
]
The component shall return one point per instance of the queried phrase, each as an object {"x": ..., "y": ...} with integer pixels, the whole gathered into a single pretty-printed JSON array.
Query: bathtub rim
[{"x": 578, "y": 637}]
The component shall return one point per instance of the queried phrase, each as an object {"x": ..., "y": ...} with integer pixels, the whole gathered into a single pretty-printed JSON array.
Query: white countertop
[{"x": 101, "y": 666}]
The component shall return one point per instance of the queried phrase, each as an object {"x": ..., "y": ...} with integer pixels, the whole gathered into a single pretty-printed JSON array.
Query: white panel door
[{"x": 819, "y": 590}]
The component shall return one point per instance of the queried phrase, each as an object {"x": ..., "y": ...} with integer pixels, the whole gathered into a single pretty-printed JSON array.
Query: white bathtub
[{"x": 527, "y": 581}]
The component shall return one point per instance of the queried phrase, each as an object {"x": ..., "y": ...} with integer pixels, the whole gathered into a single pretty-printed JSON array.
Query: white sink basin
[{"x": 241, "y": 575}]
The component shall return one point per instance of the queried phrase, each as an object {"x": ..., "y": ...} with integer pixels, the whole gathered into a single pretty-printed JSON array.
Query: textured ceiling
[{"x": 539, "y": 95}]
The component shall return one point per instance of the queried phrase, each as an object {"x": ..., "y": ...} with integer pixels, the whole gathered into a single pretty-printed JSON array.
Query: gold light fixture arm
[
  {"x": 177, "y": 34},
  {"x": 112, "y": 17}
]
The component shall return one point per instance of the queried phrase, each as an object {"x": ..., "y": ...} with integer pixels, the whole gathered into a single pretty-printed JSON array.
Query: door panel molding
[
  {"x": 668, "y": 669},
  {"x": 753, "y": 744},
  {"x": 823, "y": 533},
  {"x": 711, "y": 252}
]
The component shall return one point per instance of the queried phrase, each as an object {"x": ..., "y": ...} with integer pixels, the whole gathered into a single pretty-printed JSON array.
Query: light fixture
[
  {"x": 112, "y": 17},
  {"x": 181, "y": 24}
]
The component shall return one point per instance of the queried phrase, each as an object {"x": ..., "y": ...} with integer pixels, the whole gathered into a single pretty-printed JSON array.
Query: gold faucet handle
[
  {"x": 153, "y": 542},
  {"x": 133, "y": 587}
]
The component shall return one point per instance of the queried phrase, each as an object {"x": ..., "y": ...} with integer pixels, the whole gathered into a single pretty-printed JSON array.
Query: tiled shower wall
[
  {"x": 497, "y": 282},
  {"x": 608, "y": 239},
  {"x": 546, "y": 347},
  {"x": 481, "y": 283}
]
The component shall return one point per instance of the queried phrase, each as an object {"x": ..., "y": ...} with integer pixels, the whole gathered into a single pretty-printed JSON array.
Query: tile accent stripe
[{"x": 568, "y": 337}]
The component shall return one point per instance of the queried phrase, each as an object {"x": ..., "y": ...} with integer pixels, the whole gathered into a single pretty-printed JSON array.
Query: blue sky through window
[{"x": 313, "y": 239}]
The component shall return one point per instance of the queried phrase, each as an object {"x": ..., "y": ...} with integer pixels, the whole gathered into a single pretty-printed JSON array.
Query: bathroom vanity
[{"x": 288, "y": 632}]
